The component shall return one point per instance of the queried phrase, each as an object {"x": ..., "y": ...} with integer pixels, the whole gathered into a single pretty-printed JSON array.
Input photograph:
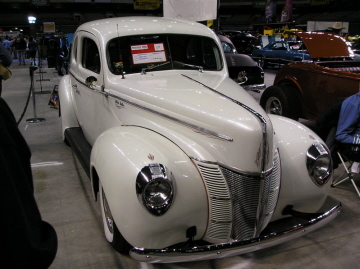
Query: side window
[
  {"x": 73, "y": 51},
  {"x": 90, "y": 55},
  {"x": 211, "y": 55}
]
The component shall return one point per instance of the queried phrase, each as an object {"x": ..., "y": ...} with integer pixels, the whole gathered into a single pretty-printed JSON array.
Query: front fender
[
  {"x": 68, "y": 117},
  {"x": 293, "y": 140},
  {"x": 118, "y": 156}
]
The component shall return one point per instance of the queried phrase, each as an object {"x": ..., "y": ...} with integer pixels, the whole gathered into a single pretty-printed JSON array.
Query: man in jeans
[
  {"x": 348, "y": 130},
  {"x": 20, "y": 46}
]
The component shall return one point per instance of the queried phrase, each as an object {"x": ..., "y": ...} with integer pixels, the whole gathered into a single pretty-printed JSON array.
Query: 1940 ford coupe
[{"x": 186, "y": 165}]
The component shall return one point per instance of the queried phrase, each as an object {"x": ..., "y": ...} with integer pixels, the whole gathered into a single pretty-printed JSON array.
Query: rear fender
[{"x": 118, "y": 156}]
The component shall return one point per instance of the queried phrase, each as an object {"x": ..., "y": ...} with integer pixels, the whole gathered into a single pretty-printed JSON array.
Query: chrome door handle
[{"x": 75, "y": 88}]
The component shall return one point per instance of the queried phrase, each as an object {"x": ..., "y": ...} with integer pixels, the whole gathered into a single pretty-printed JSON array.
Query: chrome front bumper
[
  {"x": 253, "y": 87},
  {"x": 207, "y": 252}
]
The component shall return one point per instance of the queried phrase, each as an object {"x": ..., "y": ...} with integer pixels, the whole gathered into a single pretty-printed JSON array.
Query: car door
[{"x": 87, "y": 81}]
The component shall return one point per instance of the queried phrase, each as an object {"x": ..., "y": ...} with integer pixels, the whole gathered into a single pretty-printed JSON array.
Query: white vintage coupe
[{"x": 186, "y": 164}]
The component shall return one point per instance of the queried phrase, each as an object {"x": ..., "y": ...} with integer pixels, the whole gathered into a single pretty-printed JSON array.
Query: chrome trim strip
[
  {"x": 253, "y": 87},
  {"x": 197, "y": 253},
  {"x": 195, "y": 128}
]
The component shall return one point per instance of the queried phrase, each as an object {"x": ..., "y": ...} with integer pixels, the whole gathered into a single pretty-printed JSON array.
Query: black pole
[{"x": 35, "y": 119}]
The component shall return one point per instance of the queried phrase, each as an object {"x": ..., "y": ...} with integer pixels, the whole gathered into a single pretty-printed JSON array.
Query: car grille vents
[
  {"x": 220, "y": 214},
  {"x": 240, "y": 205}
]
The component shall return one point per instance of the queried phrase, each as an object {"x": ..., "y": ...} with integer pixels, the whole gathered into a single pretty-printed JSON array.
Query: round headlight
[
  {"x": 155, "y": 188},
  {"x": 319, "y": 164},
  {"x": 157, "y": 192}
]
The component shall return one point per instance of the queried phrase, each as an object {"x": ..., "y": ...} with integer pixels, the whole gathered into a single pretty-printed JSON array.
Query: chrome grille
[
  {"x": 245, "y": 199},
  {"x": 220, "y": 211},
  {"x": 240, "y": 205},
  {"x": 270, "y": 194}
]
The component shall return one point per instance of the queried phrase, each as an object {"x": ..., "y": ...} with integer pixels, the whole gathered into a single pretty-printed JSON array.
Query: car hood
[
  {"x": 324, "y": 45},
  {"x": 191, "y": 108}
]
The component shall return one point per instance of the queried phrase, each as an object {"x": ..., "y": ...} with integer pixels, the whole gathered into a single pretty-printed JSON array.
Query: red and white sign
[{"x": 148, "y": 53}]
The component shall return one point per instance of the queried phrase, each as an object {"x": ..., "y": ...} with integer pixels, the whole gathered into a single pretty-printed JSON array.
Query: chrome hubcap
[{"x": 273, "y": 106}]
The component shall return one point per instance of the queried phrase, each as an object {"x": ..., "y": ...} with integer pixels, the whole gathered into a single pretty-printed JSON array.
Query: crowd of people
[{"x": 21, "y": 48}]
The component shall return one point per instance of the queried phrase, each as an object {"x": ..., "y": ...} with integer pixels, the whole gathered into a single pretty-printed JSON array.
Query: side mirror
[{"x": 90, "y": 81}]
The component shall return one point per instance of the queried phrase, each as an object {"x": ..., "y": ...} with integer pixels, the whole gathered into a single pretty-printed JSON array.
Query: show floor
[{"x": 64, "y": 197}]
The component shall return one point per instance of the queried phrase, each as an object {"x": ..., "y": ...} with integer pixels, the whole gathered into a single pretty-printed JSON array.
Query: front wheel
[
  {"x": 281, "y": 101},
  {"x": 112, "y": 234}
]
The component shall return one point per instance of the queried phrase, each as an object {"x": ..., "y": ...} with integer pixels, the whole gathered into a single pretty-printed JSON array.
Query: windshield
[{"x": 134, "y": 54}]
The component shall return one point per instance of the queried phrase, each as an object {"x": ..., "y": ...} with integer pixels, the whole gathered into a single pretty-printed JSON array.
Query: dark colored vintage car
[
  {"x": 242, "y": 68},
  {"x": 305, "y": 89},
  {"x": 243, "y": 42},
  {"x": 280, "y": 52}
]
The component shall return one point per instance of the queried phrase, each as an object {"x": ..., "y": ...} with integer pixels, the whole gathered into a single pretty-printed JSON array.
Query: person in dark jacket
[
  {"x": 20, "y": 45},
  {"x": 26, "y": 240},
  {"x": 348, "y": 130},
  {"x": 32, "y": 46},
  {"x": 5, "y": 59}
]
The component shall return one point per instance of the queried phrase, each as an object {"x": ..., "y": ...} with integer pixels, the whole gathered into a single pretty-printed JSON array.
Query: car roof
[
  {"x": 109, "y": 28},
  {"x": 324, "y": 45},
  {"x": 224, "y": 39}
]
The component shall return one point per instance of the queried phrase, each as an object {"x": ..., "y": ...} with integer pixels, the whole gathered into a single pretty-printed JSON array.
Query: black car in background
[
  {"x": 244, "y": 42},
  {"x": 242, "y": 68}
]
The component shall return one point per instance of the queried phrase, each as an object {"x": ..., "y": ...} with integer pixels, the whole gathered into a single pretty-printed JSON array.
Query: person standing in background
[
  {"x": 32, "y": 46},
  {"x": 20, "y": 46},
  {"x": 13, "y": 50},
  {"x": 7, "y": 43},
  {"x": 5, "y": 59}
]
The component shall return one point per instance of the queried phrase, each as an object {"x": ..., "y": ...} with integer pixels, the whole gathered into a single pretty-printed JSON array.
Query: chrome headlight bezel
[
  {"x": 155, "y": 188},
  {"x": 242, "y": 77},
  {"x": 319, "y": 164}
]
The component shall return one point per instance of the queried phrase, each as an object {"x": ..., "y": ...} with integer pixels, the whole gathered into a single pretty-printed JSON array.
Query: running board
[{"x": 79, "y": 145}]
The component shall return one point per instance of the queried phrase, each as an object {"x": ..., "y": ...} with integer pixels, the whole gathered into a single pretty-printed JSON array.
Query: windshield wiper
[
  {"x": 143, "y": 71},
  {"x": 201, "y": 69}
]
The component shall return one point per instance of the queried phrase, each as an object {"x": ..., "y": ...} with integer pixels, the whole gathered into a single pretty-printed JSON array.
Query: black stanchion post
[
  {"x": 35, "y": 119},
  {"x": 41, "y": 72}
]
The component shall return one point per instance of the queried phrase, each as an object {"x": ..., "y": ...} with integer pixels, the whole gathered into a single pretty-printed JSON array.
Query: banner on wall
[
  {"x": 146, "y": 4},
  {"x": 40, "y": 3},
  {"x": 49, "y": 27},
  {"x": 193, "y": 10},
  {"x": 319, "y": 2},
  {"x": 270, "y": 11},
  {"x": 286, "y": 12}
]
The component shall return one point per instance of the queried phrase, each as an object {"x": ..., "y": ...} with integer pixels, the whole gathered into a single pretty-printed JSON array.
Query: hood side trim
[
  {"x": 261, "y": 119},
  {"x": 194, "y": 127}
]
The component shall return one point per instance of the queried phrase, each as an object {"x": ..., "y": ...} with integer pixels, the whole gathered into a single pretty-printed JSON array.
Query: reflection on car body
[{"x": 185, "y": 163}]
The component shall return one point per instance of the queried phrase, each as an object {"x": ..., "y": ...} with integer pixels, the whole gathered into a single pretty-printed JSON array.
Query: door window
[{"x": 90, "y": 55}]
